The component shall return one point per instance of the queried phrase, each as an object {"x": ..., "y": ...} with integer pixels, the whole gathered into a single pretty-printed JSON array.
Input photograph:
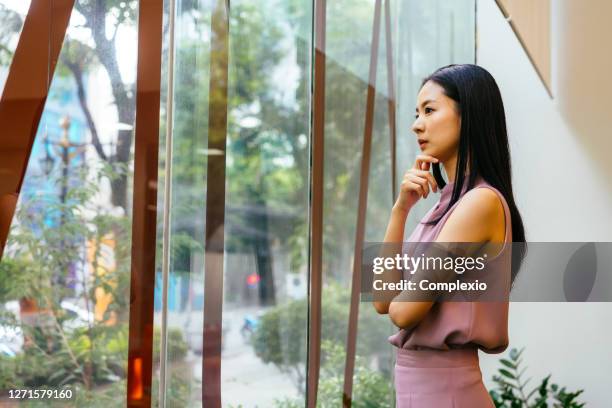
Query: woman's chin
[
  {"x": 425, "y": 149},
  {"x": 429, "y": 150}
]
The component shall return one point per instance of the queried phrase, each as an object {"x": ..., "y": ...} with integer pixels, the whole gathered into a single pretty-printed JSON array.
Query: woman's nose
[{"x": 417, "y": 126}]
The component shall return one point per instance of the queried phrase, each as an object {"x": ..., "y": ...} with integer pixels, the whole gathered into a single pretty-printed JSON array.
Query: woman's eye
[{"x": 427, "y": 110}]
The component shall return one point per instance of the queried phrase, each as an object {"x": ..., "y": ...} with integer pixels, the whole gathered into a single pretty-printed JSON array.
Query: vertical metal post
[
  {"x": 316, "y": 205},
  {"x": 144, "y": 211},
  {"x": 167, "y": 207},
  {"x": 215, "y": 207}
]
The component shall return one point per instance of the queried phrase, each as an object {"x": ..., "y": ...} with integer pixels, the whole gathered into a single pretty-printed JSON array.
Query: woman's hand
[{"x": 416, "y": 183}]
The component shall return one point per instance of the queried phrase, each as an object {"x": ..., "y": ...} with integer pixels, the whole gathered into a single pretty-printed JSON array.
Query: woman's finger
[
  {"x": 423, "y": 161},
  {"x": 416, "y": 187},
  {"x": 421, "y": 181},
  {"x": 424, "y": 175},
  {"x": 429, "y": 177}
]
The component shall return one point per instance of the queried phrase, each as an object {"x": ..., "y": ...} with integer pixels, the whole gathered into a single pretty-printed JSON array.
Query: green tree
[
  {"x": 59, "y": 350},
  {"x": 62, "y": 350},
  {"x": 11, "y": 25}
]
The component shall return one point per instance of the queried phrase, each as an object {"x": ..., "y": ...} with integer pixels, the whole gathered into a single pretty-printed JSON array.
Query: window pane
[
  {"x": 424, "y": 37},
  {"x": 66, "y": 269},
  {"x": 349, "y": 42},
  {"x": 187, "y": 207},
  {"x": 265, "y": 290}
]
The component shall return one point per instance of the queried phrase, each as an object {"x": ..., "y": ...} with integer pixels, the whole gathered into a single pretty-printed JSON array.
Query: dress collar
[{"x": 447, "y": 191}]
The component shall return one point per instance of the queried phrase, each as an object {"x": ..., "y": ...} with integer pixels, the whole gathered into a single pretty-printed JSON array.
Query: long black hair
[{"x": 483, "y": 141}]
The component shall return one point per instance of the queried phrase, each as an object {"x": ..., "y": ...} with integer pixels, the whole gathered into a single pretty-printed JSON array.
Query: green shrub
[
  {"x": 370, "y": 388},
  {"x": 176, "y": 344},
  {"x": 8, "y": 380},
  {"x": 281, "y": 336},
  {"x": 512, "y": 392}
]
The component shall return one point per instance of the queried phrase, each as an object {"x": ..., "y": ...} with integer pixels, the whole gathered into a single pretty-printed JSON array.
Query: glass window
[
  {"x": 65, "y": 274},
  {"x": 266, "y": 270},
  {"x": 185, "y": 291},
  {"x": 66, "y": 268}
]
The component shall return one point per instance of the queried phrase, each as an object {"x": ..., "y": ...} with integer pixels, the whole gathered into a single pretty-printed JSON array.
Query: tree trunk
[
  {"x": 267, "y": 291},
  {"x": 105, "y": 50}
]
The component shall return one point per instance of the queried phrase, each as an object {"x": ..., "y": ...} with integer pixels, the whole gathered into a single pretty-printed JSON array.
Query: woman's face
[{"x": 438, "y": 123}]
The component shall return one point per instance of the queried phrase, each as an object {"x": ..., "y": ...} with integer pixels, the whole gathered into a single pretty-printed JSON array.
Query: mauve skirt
[{"x": 440, "y": 379}]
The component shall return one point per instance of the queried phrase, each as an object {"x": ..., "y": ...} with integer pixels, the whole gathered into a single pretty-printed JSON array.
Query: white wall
[{"x": 561, "y": 168}]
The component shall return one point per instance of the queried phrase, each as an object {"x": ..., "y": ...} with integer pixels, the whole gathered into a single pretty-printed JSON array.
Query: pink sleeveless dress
[{"x": 437, "y": 360}]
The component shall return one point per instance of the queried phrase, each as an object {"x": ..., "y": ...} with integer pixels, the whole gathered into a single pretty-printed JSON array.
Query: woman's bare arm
[
  {"x": 479, "y": 217},
  {"x": 416, "y": 184}
]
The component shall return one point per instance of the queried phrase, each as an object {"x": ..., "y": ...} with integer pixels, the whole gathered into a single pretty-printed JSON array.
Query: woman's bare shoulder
[{"x": 476, "y": 218}]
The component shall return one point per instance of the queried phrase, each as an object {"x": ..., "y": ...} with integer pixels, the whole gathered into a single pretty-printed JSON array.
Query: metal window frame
[
  {"x": 215, "y": 206},
  {"x": 315, "y": 257},
  {"x": 144, "y": 212}
]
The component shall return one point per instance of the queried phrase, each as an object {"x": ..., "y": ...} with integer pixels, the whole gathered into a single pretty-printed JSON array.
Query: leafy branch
[{"x": 512, "y": 391}]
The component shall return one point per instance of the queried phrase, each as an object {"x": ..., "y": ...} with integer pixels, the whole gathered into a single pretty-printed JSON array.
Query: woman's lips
[{"x": 422, "y": 143}]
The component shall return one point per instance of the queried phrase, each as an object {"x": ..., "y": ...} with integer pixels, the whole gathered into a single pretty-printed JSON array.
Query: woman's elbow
[
  {"x": 381, "y": 307},
  {"x": 399, "y": 317}
]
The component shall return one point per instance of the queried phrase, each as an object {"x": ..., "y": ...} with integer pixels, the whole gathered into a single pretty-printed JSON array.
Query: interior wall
[{"x": 561, "y": 171}]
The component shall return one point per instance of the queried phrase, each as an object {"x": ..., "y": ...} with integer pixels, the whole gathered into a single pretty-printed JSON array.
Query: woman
[{"x": 460, "y": 124}]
